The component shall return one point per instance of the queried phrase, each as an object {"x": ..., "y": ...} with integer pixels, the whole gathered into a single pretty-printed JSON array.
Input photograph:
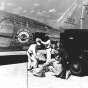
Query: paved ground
[
  {"x": 50, "y": 81},
  {"x": 16, "y": 76},
  {"x": 13, "y": 75}
]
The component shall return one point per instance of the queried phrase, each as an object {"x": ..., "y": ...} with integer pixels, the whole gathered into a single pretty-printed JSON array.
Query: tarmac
[
  {"x": 17, "y": 76},
  {"x": 50, "y": 81},
  {"x": 13, "y": 75}
]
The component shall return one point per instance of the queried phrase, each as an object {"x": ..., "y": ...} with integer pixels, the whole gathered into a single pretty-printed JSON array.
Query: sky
[{"x": 41, "y": 9}]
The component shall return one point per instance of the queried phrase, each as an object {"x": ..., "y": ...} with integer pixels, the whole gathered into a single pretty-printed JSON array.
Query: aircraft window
[{"x": 6, "y": 27}]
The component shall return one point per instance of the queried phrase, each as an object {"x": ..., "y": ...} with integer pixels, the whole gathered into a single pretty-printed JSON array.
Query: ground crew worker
[
  {"x": 47, "y": 44},
  {"x": 32, "y": 55},
  {"x": 63, "y": 55}
]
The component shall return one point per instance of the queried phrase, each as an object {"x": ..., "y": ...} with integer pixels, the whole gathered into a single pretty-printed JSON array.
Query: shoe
[
  {"x": 29, "y": 69},
  {"x": 68, "y": 74},
  {"x": 63, "y": 76}
]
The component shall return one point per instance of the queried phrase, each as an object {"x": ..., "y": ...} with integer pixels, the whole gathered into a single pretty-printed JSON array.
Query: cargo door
[{"x": 6, "y": 32}]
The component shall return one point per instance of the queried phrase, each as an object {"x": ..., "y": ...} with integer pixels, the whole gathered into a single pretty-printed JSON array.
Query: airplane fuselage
[{"x": 18, "y": 32}]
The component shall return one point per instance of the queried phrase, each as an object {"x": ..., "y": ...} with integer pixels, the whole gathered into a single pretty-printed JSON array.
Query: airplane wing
[
  {"x": 71, "y": 18},
  {"x": 84, "y": 16}
]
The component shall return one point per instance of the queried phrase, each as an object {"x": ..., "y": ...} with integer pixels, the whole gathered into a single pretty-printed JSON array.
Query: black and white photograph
[{"x": 43, "y": 43}]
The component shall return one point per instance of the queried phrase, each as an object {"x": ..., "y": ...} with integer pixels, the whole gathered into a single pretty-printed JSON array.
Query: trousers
[
  {"x": 32, "y": 61},
  {"x": 48, "y": 53}
]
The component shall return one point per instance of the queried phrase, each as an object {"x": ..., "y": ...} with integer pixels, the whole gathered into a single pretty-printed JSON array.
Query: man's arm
[
  {"x": 34, "y": 52},
  {"x": 47, "y": 42}
]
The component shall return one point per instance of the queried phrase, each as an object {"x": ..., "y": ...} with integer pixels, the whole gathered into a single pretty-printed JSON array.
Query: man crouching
[{"x": 32, "y": 55}]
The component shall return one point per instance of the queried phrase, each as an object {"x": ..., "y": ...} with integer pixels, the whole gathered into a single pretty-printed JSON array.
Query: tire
[{"x": 77, "y": 67}]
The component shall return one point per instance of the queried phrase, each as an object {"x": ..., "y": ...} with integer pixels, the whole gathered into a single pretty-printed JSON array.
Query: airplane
[
  {"x": 71, "y": 19},
  {"x": 18, "y": 32},
  {"x": 84, "y": 16}
]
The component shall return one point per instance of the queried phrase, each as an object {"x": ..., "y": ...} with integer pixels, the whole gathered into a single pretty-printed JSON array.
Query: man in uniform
[
  {"x": 32, "y": 55},
  {"x": 47, "y": 44}
]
